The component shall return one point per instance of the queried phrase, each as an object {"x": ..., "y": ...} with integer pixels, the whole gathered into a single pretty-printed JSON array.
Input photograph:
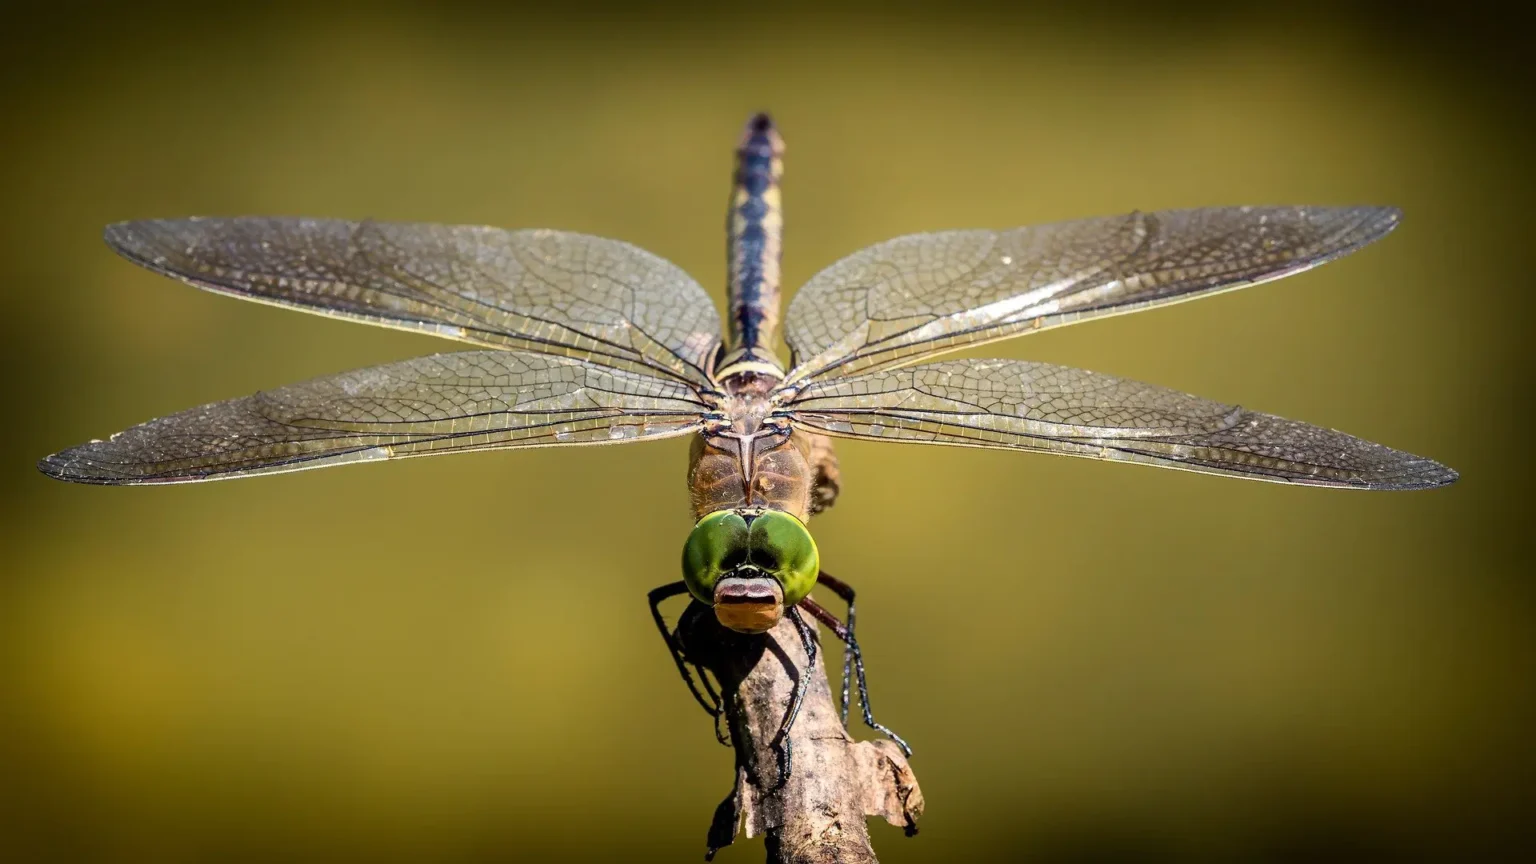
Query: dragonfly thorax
[
  {"x": 739, "y": 413},
  {"x": 747, "y": 455}
]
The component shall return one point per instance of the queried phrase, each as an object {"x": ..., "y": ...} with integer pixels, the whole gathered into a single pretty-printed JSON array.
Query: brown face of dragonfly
[
  {"x": 751, "y": 602},
  {"x": 750, "y": 565}
]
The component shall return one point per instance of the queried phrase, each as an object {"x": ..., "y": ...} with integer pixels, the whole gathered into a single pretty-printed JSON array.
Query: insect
[{"x": 583, "y": 340}]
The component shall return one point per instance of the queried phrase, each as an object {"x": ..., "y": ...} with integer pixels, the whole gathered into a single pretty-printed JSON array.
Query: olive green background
[{"x": 450, "y": 659}]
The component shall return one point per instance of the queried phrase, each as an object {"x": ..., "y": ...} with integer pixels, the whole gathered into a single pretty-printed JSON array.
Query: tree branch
[{"x": 834, "y": 783}]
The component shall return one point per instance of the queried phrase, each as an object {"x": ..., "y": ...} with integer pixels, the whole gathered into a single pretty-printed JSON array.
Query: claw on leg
[
  {"x": 782, "y": 741},
  {"x": 844, "y": 633},
  {"x": 703, "y": 691}
]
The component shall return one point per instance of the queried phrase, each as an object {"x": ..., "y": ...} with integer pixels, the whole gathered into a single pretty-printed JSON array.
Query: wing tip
[
  {"x": 82, "y": 465},
  {"x": 1365, "y": 224},
  {"x": 89, "y": 472},
  {"x": 1384, "y": 219},
  {"x": 70, "y": 467},
  {"x": 136, "y": 239},
  {"x": 51, "y": 467},
  {"x": 127, "y": 238},
  {"x": 115, "y": 232},
  {"x": 124, "y": 228},
  {"x": 1416, "y": 473},
  {"x": 1436, "y": 476}
]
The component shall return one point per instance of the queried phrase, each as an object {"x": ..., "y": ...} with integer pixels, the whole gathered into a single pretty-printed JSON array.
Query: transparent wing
[
  {"x": 448, "y": 403},
  {"x": 1008, "y": 404},
  {"x": 907, "y": 299},
  {"x": 547, "y": 291}
]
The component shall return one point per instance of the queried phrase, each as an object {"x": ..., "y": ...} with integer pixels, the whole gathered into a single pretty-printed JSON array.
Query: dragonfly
[{"x": 580, "y": 340}]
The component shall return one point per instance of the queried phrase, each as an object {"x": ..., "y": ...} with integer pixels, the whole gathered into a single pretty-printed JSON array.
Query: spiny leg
[
  {"x": 845, "y": 591},
  {"x": 802, "y": 683},
  {"x": 712, "y": 704},
  {"x": 846, "y": 635},
  {"x": 714, "y": 697}
]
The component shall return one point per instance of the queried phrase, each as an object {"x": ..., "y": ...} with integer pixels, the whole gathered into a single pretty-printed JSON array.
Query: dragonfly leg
[
  {"x": 845, "y": 591},
  {"x": 846, "y": 634},
  {"x": 703, "y": 691},
  {"x": 722, "y": 828},
  {"x": 828, "y": 481},
  {"x": 802, "y": 683}
]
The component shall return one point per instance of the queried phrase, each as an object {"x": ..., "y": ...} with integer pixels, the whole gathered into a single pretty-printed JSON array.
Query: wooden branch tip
[{"x": 835, "y": 782}]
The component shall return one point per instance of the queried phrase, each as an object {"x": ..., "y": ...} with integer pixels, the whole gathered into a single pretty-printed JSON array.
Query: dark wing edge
[
  {"x": 446, "y": 403},
  {"x": 1014, "y": 405}
]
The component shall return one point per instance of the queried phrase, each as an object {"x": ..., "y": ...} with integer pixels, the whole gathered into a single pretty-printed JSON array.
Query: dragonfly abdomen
[{"x": 755, "y": 226}]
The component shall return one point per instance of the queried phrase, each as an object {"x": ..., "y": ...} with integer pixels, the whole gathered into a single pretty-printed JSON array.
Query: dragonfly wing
[
  {"x": 548, "y": 291},
  {"x": 1017, "y": 405},
  {"x": 448, "y": 403},
  {"x": 910, "y": 298}
]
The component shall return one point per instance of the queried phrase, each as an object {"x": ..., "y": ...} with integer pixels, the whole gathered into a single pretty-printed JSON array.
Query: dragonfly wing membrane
[
  {"x": 1018, "y": 405},
  {"x": 472, "y": 400},
  {"x": 910, "y": 298},
  {"x": 549, "y": 291}
]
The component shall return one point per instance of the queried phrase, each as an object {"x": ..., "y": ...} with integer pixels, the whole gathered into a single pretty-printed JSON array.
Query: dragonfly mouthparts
[{"x": 748, "y": 584}]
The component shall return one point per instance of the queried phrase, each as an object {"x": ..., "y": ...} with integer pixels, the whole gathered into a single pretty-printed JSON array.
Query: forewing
[
  {"x": 553, "y": 292},
  {"x": 1016, "y": 405},
  {"x": 907, "y": 299},
  {"x": 474, "y": 400}
]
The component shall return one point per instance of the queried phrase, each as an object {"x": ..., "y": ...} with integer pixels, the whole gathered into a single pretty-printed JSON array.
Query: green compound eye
[
  {"x": 778, "y": 543},
  {"x": 717, "y": 544}
]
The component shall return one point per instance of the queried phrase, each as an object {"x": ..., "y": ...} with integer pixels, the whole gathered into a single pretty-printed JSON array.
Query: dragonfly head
[{"x": 750, "y": 565}]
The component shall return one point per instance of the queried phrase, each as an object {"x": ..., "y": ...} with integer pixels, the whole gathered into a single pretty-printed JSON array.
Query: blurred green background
[{"x": 450, "y": 659}]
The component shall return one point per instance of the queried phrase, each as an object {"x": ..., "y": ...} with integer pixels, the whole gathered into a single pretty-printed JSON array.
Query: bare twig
[{"x": 835, "y": 782}]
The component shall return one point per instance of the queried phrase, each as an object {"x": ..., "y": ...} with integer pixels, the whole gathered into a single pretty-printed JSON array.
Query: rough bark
[{"x": 835, "y": 782}]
